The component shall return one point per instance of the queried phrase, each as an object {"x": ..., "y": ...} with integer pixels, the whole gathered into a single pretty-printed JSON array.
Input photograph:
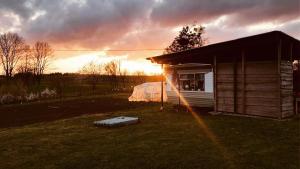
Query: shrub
[{"x": 7, "y": 99}]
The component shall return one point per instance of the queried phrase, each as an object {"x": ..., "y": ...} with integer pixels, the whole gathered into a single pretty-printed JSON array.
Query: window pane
[
  {"x": 192, "y": 82},
  {"x": 185, "y": 85},
  {"x": 183, "y": 76},
  {"x": 190, "y": 76},
  {"x": 199, "y": 76},
  {"x": 187, "y": 76},
  {"x": 200, "y": 85}
]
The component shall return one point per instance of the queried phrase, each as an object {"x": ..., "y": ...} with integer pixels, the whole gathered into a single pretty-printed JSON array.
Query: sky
[{"x": 81, "y": 31}]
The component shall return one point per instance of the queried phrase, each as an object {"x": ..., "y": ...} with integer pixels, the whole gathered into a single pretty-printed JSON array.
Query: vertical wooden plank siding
[
  {"x": 260, "y": 88},
  {"x": 279, "y": 77},
  {"x": 215, "y": 84},
  {"x": 243, "y": 82}
]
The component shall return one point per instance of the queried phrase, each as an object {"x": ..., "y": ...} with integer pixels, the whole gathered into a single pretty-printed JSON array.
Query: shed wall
[
  {"x": 193, "y": 98},
  {"x": 251, "y": 85}
]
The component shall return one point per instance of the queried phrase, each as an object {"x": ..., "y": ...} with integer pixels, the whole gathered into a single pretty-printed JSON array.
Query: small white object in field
[
  {"x": 32, "y": 97},
  {"x": 117, "y": 121},
  {"x": 48, "y": 93},
  {"x": 148, "y": 92}
]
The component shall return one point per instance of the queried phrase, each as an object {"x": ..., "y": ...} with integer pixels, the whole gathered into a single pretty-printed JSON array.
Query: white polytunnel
[{"x": 148, "y": 92}]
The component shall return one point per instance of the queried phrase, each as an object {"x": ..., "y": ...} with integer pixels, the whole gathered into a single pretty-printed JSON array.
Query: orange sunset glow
[
  {"x": 81, "y": 31},
  {"x": 149, "y": 84}
]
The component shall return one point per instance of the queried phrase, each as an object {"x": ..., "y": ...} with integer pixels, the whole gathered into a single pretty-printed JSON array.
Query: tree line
[{"x": 17, "y": 56}]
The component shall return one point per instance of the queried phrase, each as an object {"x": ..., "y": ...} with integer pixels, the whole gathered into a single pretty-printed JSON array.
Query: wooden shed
[{"x": 252, "y": 75}]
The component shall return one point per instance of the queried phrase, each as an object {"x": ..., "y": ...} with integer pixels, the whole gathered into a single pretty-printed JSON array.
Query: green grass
[{"x": 166, "y": 139}]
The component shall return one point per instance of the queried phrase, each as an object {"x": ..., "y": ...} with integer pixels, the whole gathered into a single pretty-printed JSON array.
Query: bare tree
[
  {"x": 42, "y": 52},
  {"x": 26, "y": 61},
  {"x": 11, "y": 51},
  {"x": 58, "y": 82},
  {"x": 111, "y": 69},
  {"x": 140, "y": 75},
  {"x": 93, "y": 71},
  {"x": 123, "y": 77},
  {"x": 24, "y": 69}
]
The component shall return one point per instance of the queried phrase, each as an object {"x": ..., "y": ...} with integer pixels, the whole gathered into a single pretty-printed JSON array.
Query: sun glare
[
  {"x": 202, "y": 124},
  {"x": 141, "y": 65},
  {"x": 74, "y": 64}
]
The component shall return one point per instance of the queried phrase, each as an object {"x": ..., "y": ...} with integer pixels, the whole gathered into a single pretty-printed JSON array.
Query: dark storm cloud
[
  {"x": 19, "y": 7},
  {"x": 172, "y": 12},
  {"x": 90, "y": 23},
  {"x": 101, "y": 23}
]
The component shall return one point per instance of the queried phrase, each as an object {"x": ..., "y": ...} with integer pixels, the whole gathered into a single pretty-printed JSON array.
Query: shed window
[{"x": 192, "y": 82}]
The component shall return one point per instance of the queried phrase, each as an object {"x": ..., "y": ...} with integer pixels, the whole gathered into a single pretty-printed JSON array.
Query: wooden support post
[
  {"x": 243, "y": 82},
  {"x": 215, "y": 85},
  {"x": 279, "y": 78},
  {"x": 162, "y": 87}
]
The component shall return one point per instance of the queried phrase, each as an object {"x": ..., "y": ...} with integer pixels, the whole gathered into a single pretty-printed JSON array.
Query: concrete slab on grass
[{"x": 117, "y": 121}]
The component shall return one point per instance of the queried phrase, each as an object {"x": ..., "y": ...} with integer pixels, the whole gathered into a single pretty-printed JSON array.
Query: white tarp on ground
[
  {"x": 117, "y": 121},
  {"x": 148, "y": 92}
]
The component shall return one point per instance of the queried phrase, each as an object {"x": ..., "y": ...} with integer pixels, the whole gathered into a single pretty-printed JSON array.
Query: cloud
[
  {"x": 89, "y": 24},
  {"x": 141, "y": 24},
  {"x": 18, "y": 7},
  {"x": 9, "y": 22},
  {"x": 103, "y": 23},
  {"x": 172, "y": 12}
]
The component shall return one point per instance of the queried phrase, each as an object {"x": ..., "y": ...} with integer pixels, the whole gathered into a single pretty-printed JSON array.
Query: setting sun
[{"x": 75, "y": 63}]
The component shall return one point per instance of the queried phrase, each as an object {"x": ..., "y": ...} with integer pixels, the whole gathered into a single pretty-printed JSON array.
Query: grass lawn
[{"x": 166, "y": 139}]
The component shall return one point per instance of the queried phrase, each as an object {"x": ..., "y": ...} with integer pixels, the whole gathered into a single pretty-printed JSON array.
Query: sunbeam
[{"x": 202, "y": 125}]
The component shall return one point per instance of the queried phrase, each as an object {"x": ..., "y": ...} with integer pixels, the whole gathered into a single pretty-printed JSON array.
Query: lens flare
[{"x": 202, "y": 124}]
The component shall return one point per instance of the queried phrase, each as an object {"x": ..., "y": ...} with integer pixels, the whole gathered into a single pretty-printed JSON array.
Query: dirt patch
[{"x": 19, "y": 115}]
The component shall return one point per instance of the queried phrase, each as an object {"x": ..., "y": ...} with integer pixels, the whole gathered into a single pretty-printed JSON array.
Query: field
[
  {"x": 48, "y": 135},
  {"x": 50, "y": 110},
  {"x": 66, "y": 86}
]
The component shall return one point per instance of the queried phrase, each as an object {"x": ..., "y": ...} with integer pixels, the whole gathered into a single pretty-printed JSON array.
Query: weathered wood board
[{"x": 254, "y": 86}]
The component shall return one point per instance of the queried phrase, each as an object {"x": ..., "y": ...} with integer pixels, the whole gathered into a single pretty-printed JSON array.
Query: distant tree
[
  {"x": 93, "y": 72},
  {"x": 26, "y": 61},
  {"x": 111, "y": 69},
  {"x": 42, "y": 52},
  {"x": 58, "y": 82},
  {"x": 123, "y": 77},
  {"x": 140, "y": 76},
  {"x": 11, "y": 50},
  {"x": 139, "y": 73},
  {"x": 188, "y": 38}
]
